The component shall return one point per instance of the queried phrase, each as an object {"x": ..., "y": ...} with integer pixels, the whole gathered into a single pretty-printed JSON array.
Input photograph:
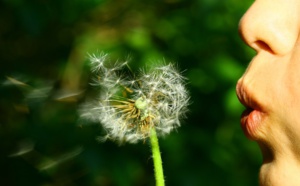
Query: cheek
[
  {"x": 291, "y": 93},
  {"x": 291, "y": 79},
  {"x": 288, "y": 95}
]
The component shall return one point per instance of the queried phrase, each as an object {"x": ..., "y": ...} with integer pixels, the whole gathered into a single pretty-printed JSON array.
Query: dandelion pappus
[{"x": 131, "y": 105}]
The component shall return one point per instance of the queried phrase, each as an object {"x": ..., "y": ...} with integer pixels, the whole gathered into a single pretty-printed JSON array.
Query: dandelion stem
[{"x": 158, "y": 169}]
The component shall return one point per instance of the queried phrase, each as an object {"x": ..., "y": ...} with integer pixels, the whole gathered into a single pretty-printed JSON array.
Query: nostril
[{"x": 261, "y": 45}]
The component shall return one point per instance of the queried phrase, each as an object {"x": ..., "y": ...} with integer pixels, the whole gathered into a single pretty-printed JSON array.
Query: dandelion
[
  {"x": 135, "y": 107},
  {"x": 129, "y": 106}
]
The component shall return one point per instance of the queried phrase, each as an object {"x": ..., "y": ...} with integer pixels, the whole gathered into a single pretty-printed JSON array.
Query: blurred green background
[{"x": 44, "y": 77}]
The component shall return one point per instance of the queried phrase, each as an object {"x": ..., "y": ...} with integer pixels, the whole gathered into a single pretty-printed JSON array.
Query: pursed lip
[
  {"x": 252, "y": 117},
  {"x": 243, "y": 96}
]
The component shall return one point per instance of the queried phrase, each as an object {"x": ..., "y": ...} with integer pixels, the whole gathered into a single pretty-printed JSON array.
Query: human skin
[{"x": 270, "y": 88}]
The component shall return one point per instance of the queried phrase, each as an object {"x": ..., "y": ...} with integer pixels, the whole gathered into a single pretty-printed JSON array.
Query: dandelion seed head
[{"x": 129, "y": 106}]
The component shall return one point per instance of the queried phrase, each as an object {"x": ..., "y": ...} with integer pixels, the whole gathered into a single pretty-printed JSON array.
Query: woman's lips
[
  {"x": 250, "y": 121},
  {"x": 251, "y": 118}
]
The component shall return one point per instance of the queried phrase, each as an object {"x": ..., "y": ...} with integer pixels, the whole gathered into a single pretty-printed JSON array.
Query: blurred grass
[{"x": 44, "y": 74}]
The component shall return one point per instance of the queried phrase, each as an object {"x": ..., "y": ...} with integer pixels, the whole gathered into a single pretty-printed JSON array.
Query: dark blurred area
[{"x": 44, "y": 76}]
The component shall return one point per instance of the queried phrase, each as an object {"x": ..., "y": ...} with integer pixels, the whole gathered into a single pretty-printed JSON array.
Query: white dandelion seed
[{"x": 128, "y": 107}]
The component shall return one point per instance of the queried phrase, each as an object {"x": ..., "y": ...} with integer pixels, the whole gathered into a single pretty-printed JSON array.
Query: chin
[
  {"x": 279, "y": 168},
  {"x": 272, "y": 174}
]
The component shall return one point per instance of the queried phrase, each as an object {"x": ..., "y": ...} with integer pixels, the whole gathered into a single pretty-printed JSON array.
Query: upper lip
[{"x": 243, "y": 96}]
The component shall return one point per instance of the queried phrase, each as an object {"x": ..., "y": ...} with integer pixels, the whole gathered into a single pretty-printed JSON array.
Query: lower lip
[{"x": 250, "y": 121}]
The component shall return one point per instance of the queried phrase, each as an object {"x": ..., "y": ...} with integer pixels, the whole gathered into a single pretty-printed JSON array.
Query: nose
[{"x": 271, "y": 26}]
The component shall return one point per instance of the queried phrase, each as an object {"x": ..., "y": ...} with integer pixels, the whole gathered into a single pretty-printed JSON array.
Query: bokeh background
[{"x": 44, "y": 76}]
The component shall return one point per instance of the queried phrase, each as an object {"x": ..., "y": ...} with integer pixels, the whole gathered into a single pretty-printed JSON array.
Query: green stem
[{"x": 158, "y": 169}]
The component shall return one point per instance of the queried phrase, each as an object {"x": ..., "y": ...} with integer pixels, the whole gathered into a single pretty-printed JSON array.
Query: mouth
[{"x": 252, "y": 116}]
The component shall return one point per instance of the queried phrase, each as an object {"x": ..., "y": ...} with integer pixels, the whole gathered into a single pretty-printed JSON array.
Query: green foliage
[{"x": 44, "y": 75}]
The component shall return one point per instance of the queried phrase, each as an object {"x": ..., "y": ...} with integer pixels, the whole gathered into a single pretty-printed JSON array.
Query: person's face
[{"x": 270, "y": 88}]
